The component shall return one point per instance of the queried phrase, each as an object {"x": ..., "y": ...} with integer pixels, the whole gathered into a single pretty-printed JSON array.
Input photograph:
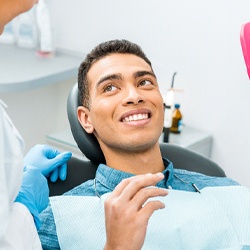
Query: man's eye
[
  {"x": 145, "y": 82},
  {"x": 110, "y": 88}
]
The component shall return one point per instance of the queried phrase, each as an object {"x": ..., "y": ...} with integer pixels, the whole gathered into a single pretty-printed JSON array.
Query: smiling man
[
  {"x": 126, "y": 98},
  {"x": 123, "y": 108}
]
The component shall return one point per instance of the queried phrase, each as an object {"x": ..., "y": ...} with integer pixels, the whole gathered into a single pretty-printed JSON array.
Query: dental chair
[{"x": 80, "y": 171}]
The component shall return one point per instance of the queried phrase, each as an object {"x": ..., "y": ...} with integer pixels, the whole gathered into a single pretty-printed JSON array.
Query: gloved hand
[
  {"x": 34, "y": 192},
  {"x": 51, "y": 162}
]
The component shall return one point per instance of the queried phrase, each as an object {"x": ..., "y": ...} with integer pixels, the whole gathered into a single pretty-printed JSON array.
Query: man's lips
[{"x": 136, "y": 115}]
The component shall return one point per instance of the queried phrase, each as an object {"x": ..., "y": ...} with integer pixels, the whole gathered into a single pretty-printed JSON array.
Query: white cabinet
[
  {"x": 36, "y": 90},
  {"x": 194, "y": 139}
]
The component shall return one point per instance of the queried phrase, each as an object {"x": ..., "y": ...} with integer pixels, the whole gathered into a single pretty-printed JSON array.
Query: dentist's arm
[
  {"x": 33, "y": 197},
  {"x": 34, "y": 192},
  {"x": 40, "y": 162},
  {"x": 12, "y": 8},
  {"x": 127, "y": 214}
]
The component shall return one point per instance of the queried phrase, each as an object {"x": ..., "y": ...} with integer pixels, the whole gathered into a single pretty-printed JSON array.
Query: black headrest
[{"x": 87, "y": 143}]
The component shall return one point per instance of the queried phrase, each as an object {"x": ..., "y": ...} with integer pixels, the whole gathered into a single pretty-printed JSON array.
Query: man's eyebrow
[
  {"x": 143, "y": 73},
  {"x": 137, "y": 74},
  {"x": 109, "y": 77}
]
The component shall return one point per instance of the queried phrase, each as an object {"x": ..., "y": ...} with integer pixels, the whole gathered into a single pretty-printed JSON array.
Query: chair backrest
[{"x": 82, "y": 170}]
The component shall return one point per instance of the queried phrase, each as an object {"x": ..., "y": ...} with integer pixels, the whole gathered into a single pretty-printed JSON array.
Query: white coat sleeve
[
  {"x": 17, "y": 228},
  {"x": 21, "y": 233}
]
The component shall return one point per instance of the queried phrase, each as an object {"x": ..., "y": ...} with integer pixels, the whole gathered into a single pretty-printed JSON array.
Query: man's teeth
[{"x": 135, "y": 117}]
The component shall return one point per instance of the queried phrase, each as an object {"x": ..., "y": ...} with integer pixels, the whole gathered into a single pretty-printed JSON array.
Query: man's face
[{"x": 126, "y": 107}]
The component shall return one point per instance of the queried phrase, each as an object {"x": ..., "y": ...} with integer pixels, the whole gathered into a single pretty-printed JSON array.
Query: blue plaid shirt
[{"x": 107, "y": 179}]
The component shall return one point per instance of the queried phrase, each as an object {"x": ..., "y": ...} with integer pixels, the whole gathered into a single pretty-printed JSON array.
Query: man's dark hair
[{"x": 100, "y": 51}]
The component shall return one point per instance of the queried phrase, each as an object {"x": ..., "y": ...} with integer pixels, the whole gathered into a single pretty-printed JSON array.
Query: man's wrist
[{"x": 112, "y": 247}]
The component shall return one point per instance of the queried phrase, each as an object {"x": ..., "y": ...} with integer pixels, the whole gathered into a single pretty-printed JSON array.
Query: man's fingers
[
  {"x": 138, "y": 182},
  {"x": 130, "y": 186},
  {"x": 144, "y": 194},
  {"x": 135, "y": 191},
  {"x": 120, "y": 187},
  {"x": 150, "y": 207}
]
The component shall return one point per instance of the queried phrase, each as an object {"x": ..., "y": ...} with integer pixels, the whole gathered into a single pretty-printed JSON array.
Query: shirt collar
[{"x": 110, "y": 177}]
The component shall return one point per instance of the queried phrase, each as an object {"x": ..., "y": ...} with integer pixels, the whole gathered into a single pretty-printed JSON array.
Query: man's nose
[{"x": 133, "y": 96}]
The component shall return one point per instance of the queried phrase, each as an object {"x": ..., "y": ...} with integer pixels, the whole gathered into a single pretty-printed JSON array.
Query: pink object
[
  {"x": 245, "y": 45},
  {"x": 43, "y": 54}
]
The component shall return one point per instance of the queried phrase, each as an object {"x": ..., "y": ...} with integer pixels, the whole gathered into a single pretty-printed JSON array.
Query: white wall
[
  {"x": 198, "y": 39},
  {"x": 39, "y": 112}
]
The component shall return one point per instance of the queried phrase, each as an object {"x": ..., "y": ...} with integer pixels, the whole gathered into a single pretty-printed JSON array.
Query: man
[{"x": 123, "y": 108}]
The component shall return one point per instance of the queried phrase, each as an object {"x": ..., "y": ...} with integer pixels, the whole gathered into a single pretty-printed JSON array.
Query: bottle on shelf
[
  {"x": 176, "y": 120},
  {"x": 168, "y": 110}
]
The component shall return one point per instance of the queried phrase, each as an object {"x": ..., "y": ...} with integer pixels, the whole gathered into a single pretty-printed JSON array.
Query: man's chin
[{"x": 141, "y": 146}]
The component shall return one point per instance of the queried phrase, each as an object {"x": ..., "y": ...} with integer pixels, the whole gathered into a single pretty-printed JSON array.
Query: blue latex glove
[
  {"x": 52, "y": 163},
  {"x": 34, "y": 192}
]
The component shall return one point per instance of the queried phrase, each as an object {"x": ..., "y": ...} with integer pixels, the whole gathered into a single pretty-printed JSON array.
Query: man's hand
[
  {"x": 51, "y": 162},
  {"x": 127, "y": 211}
]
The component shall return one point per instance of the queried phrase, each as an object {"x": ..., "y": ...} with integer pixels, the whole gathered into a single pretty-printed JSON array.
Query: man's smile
[{"x": 136, "y": 115}]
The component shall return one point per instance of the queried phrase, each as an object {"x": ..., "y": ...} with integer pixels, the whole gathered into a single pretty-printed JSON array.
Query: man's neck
[{"x": 148, "y": 161}]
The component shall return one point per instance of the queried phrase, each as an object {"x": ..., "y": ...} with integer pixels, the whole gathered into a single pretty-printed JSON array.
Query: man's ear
[{"x": 85, "y": 120}]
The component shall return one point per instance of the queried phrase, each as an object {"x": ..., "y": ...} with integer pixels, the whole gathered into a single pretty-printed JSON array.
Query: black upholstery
[
  {"x": 87, "y": 143},
  {"x": 80, "y": 171}
]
